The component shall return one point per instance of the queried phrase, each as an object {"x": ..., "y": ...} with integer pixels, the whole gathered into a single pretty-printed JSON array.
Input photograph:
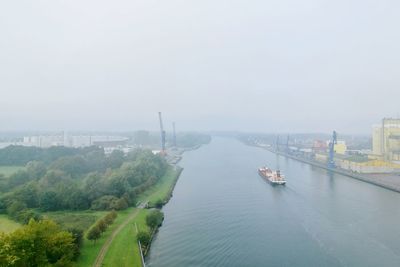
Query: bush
[
  {"x": 159, "y": 203},
  {"x": 102, "y": 225},
  {"x": 77, "y": 234},
  {"x": 49, "y": 201},
  {"x": 154, "y": 219},
  {"x": 106, "y": 202},
  {"x": 144, "y": 238},
  {"x": 14, "y": 208},
  {"x": 94, "y": 233},
  {"x": 110, "y": 217},
  {"x": 121, "y": 204},
  {"x": 24, "y": 216}
]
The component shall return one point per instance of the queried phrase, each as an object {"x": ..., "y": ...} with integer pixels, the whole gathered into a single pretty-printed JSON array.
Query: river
[{"x": 223, "y": 214}]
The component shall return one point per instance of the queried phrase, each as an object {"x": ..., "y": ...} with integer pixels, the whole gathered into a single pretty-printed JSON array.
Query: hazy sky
[{"x": 251, "y": 65}]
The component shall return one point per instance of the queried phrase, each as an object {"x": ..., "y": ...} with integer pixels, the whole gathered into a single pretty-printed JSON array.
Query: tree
[
  {"x": 49, "y": 201},
  {"x": 102, "y": 225},
  {"x": 115, "y": 159},
  {"x": 96, "y": 160},
  {"x": 18, "y": 178},
  {"x": 77, "y": 234},
  {"x": 159, "y": 203},
  {"x": 25, "y": 215},
  {"x": 15, "y": 207},
  {"x": 154, "y": 219},
  {"x": 144, "y": 238},
  {"x": 106, "y": 202},
  {"x": 121, "y": 204},
  {"x": 94, "y": 233},
  {"x": 73, "y": 165},
  {"x": 110, "y": 217},
  {"x": 36, "y": 169},
  {"x": 40, "y": 243}
]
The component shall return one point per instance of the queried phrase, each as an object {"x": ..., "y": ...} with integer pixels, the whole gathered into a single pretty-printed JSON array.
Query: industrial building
[
  {"x": 386, "y": 140},
  {"x": 74, "y": 140},
  {"x": 340, "y": 147},
  {"x": 322, "y": 147},
  {"x": 43, "y": 140}
]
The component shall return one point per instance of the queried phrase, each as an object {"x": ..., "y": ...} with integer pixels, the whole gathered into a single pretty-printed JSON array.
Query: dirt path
[{"x": 100, "y": 257}]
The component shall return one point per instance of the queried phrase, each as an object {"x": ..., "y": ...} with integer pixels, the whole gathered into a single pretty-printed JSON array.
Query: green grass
[
  {"x": 75, "y": 219},
  {"x": 124, "y": 250},
  {"x": 162, "y": 189},
  {"x": 7, "y": 225},
  {"x": 90, "y": 250},
  {"x": 8, "y": 170}
]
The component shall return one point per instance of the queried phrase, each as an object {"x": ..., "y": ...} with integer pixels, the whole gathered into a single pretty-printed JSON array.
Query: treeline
[
  {"x": 78, "y": 182},
  {"x": 21, "y": 155},
  {"x": 101, "y": 226}
]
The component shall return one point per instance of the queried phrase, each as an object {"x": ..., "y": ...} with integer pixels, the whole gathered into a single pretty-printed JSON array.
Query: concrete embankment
[{"x": 382, "y": 180}]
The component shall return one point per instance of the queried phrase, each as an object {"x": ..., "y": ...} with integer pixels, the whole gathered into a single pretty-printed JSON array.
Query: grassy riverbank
[
  {"x": 90, "y": 250},
  {"x": 124, "y": 250},
  {"x": 163, "y": 189}
]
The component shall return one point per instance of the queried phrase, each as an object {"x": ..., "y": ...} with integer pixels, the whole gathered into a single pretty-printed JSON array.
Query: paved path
[{"x": 103, "y": 251}]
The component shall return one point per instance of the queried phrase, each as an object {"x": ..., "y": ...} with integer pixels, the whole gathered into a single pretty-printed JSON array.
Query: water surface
[{"x": 223, "y": 214}]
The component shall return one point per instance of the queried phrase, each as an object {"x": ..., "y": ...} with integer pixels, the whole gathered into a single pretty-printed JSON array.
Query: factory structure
[
  {"x": 386, "y": 140},
  {"x": 384, "y": 157},
  {"x": 45, "y": 141}
]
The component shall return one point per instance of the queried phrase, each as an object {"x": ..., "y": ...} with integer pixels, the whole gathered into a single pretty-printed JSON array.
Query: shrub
[
  {"x": 159, "y": 203},
  {"x": 102, "y": 225},
  {"x": 94, "y": 233},
  {"x": 144, "y": 238},
  {"x": 77, "y": 234},
  {"x": 110, "y": 217},
  {"x": 106, "y": 202},
  {"x": 154, "y": 219}
]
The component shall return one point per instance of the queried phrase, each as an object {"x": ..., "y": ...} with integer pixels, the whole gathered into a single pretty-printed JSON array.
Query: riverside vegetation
[
  {"x": 70, "y": 179},
  {"x": 75, "y": 192}
]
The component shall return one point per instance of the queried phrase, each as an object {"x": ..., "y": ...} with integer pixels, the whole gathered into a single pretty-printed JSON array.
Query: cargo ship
[{"x": 274, "y": 177}]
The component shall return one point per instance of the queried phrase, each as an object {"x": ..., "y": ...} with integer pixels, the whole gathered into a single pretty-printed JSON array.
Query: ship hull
[{"x": 269, "y": 180}]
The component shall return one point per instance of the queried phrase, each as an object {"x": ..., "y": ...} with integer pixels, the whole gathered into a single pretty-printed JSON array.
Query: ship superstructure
[{"x": 273, "y": 177}]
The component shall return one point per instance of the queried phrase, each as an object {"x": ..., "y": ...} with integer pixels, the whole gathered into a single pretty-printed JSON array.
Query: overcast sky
[{"x": 250, "y": 65}]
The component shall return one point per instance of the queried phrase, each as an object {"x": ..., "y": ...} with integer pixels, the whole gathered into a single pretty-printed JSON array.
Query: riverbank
[
  {"x": 123, "y": 248},
  {"x": 383, "y": 180}
]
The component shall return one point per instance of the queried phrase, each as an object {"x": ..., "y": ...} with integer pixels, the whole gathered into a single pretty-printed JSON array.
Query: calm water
[{"x": 223, "y": 214}]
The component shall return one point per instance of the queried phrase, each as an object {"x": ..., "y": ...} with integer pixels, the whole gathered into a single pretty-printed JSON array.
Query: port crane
[
  {"x": 174, "y": 136},
  {"x": 332, "y": 143},
  {"x": 277, "y": 143},
  {"x": 287, "y": 145},
  {"x": 162, "y": 131}
]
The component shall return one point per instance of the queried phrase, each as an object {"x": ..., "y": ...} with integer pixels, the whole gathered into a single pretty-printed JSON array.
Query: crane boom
[
  {"x": 174, "y": 140},
  {"x": 287, "y": 144},
  {"x": 162, "y": 133}
]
